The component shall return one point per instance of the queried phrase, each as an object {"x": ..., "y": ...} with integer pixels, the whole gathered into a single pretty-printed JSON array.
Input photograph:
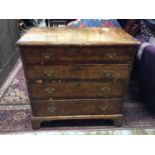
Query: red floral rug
[{"x": 15, "y": 111}]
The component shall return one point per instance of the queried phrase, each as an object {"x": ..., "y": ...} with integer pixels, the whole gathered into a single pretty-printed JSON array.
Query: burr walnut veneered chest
[{"x": 77, "y": 73}]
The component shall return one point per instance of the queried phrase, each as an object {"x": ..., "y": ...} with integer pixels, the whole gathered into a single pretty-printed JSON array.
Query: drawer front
[
  {"x": 77, "y": 54},
  {"x": 75, "y": 90},
  {"x": 77, "y": 107},
  {"x": 81, "y": 72}
]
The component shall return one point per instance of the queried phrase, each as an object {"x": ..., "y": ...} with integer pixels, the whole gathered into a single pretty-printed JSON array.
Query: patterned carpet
[{"x": 15, "y": 111}]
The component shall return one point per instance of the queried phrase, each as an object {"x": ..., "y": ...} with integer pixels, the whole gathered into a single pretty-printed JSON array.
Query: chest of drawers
[{"x": 77, "y": 73}]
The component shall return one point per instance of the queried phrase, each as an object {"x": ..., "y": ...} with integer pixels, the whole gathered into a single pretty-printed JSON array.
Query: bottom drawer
[{"x": 77, "y": 107}]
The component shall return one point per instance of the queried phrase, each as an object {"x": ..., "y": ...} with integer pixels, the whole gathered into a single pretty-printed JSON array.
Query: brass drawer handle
[
  {"x": 49, "y": 90},
  {"x": 103, "y": 107},
  {"x": 51, "y": 109},
  {"x": 39, "y": 81},
  {"x": 108, "y": 74},
  {"x": 105, "y": 89},
  {"x": 46, "y": 55},
  {"x": 111, "y": 55},
  {"x": 49, "y": 73}
]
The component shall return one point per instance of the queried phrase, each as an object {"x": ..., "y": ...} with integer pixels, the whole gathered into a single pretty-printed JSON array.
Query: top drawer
[{"x": 60, "y": 55}]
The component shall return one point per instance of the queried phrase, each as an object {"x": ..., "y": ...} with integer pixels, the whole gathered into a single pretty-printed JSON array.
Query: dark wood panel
[
  {"x": 8, "y": 53},
  {"x": 63, "y": 55},
  {"x": 77, "y": 107},
  {"x": 78, "y": 72},
  {"x": 72, "y": 89}
]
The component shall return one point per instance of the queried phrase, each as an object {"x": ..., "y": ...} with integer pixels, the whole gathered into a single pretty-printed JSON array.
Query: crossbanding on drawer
[
  {"x": 75, "y": 89},
  {"x": 78, "y": 71},
  {"x": 77, "y": 107},
  {"x": 81, "y": 54}
]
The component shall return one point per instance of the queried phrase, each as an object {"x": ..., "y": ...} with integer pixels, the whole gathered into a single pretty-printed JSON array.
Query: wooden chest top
[{"x": 77, "y": 36}]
